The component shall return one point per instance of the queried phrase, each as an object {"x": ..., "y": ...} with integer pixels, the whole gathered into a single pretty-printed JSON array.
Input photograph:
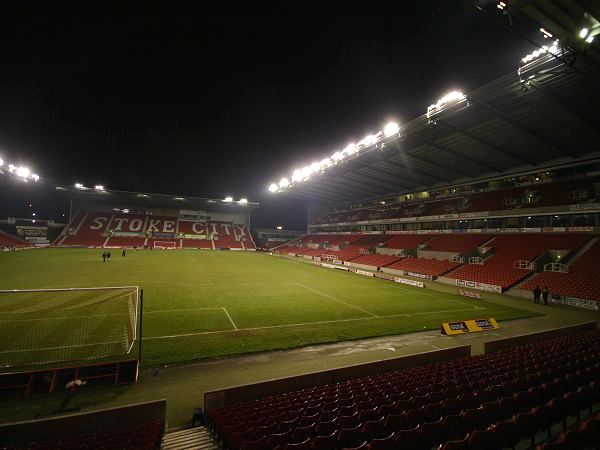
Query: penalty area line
[
  {"x": 331, "y": 297},
  {"x": 323, "y": 322}
]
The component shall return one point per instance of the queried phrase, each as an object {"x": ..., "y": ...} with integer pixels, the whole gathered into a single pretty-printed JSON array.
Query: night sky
[{"x": 213, "y": 100}]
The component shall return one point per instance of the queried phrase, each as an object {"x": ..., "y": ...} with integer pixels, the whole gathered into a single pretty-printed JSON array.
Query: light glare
[
  {"x": 583, "y": 33},
  {"x": 79, "y": 186},
  {"x": 391, "y": 128},
  {"x": 99, "y": 187},
  {"x": 273, "y": 187},
  {"x": 284, "y": 182},
  {"x": 228, "y": 199},
  {"x": 23, "y": 172},
  {"x": 243, "y": 201}
]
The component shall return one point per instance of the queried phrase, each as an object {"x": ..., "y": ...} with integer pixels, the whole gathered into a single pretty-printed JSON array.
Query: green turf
[{"x": 205, "y": 304}]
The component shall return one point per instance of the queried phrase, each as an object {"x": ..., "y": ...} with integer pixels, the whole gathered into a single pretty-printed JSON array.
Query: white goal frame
[
  {"x": 160, "y": 245},
  {"x": 136, "y": 305}
]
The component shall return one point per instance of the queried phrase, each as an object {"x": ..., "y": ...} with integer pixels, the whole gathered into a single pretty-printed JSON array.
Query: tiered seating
[
  {"x": 91, "y": 232},
  {"x": 498, "y": 270},
  {"x": 129, "y": 242},
  {"x": 348, "y": 253},
  {"x": 579, "y": 282},
  {"x": 433, "y": 267},
  {"x": 196, "y": 243},
  {"x": 457, "y": 243},
  {"x": 407, "y": 241},
  {"x": 532, "y": 196},
  {"x": 376, "y": 260},
  {"x": 146, "y": 436},
  {"x": 490, "y": 401},
  {"x": 8, "y": 240},
  {"x": 586, "y": 435},
  {"x": 371, "y": 240}
]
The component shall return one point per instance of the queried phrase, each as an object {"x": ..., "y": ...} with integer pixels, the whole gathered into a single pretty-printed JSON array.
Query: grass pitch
[{"x": 206, "y": 304}]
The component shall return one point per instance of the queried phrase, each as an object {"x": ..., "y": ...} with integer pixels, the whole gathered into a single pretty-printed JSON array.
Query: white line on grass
[
  {"x": 201, "y": 333},
  {"x": 331, "y": 297},
  {"x": 230, "y": 319}
]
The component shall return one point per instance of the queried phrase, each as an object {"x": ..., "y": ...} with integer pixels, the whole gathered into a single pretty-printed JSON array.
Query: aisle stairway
[{"x": 189, "y": 439}]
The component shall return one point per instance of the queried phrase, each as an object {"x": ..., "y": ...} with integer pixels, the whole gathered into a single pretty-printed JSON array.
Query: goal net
[
  {"x": 51, "y": 325},
  {"x": 165, "y": 244}
]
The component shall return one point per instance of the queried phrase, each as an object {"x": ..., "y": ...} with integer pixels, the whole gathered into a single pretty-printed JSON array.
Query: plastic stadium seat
[
  {"x": 434, "y": 411},
  {"x": 408, "y": 439},
  {"x": 454, "y": 426},
  {"x": 394, "y": 422},
  {"x": 431, "y": 434},
  {"x": 258, "y": 444},
  {"x": 325, "y": 442},
  {"x": 506, "y": 434},
  {"x": 452, "y": 406},
  {"x": 385, "y": 443},
  {"x": 349, "y": 421},
  {"x": 414, "y": 417},
  {"x": 543, "y": 418},
  {"x": 474, "y": 420},
  {"x": 462, "y": 444},
  {"x": 304, "y": 445},
  {"x": 573, "y": 440},
  {"x": 350, "y": 437},
  {"x": 326, "y": 428},
  {"x": 279, "y": 439},
  {"x": 525, "y": 423},
  {"x": 481, "y": 440},
  {"x": 373, "y": 429}
]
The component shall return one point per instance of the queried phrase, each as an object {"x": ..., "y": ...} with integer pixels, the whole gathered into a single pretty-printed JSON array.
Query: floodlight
[
  {"x": 589, "y": 39},
  {"x": 284, "y": 182},
  {"x": 243, "y": 201},
  {"x": 546, "y": 33},
  {"x": 11, "y": 168},
  {"x": 297, "y": 175},
  {"x": 23, "y": 172},
  {"x": 1, "y": 162},
  {"x": 583, "y": 33},
  {"x": 273, "y": 187},
  {"x": 35, "y": 177},
  {"x": 279, "y": 227},
  {"x": 325, "y": 163},
  {"x": 314, "y": 167},
  {"x": 451, "y": 97},
  {"x": 79, "y": 186},
  {"x": 227, "y": 199},
  {"x": 337, "y": 156},
  {"x": 99, "y": 187},
  {"x": 369, "y": 139},
  {"x": 350, "y": 149},
  {"x": 391, "y": 129}
]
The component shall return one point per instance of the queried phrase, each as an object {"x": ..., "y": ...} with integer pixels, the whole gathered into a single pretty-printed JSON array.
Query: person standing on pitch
[
  {"x": 537, "y": 292},
  {"x": 108, "y": 255},
  {"x": 545, "y": 294},
  {"x": 104, "y": 257},
  {"x": 123, "y": 254}
]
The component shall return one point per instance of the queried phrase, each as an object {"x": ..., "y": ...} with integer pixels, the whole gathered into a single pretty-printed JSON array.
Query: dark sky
[{"x": 212, "y": 100}]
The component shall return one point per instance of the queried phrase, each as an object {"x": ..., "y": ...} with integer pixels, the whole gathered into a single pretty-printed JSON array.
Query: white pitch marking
[
  {"x": 230, "y": 319},
  {"x": 201, "y": 333},
  {"x": 331, "y": 297}
]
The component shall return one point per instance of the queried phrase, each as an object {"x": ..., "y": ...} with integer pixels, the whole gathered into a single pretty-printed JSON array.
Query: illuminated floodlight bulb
[
  {"x": 1, "y": 162},
  {"x": 273, "y": 187},
  {"x": 99, "y": 187},
  {"x": 11, "y": 168},
  {"x": 369, "y": 139},
  {"x": 35, "y": 177},
  {"x": 583, "y": 33},
  {"x": 546, "y": 33},
  {"x": 279, "y": 227},
  {"x": 243, "y": 201},
  {"x": 337, "y": 156},
  {"x": 589, "y": 39},
  {"x": 228, "y": 199},
  {"x": 23, "y": 172},
  {"x": 325, "y": 163},
  {"x": 297, "y": 175},
  {"x": 314, "y": 167},
  {"x": 79, "y": 186},
  {"x": 284, "y": 182},
  {"x": 350, "y": 149},
  {"x": 391, "y": 129}
]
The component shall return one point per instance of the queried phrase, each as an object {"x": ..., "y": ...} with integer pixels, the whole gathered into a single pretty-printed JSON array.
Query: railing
[
  {"x": 556, "y": 267},
  {"x": 476, "y": 260},
  {"x": 522, "y": 264},
  {"x": 458, "y": 259}
]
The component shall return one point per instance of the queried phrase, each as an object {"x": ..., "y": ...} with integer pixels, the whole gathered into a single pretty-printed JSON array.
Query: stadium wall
[
  {"x": 19, "y": 433},
  {"x": 237, "y": 394}
]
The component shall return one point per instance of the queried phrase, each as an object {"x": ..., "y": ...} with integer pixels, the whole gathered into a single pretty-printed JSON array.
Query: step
[{"x": 190, "y": 438}]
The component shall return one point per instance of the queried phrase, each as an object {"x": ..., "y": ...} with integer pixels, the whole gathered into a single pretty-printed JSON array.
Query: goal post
[
  {"x": 170, "y": 245},
  {"x": 39, "y": 326}
]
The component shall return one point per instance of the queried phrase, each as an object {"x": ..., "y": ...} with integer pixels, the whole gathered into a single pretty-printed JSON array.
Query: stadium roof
[
  {"x": 115, "y": 198},
  {"x": 538, "y": 119}
]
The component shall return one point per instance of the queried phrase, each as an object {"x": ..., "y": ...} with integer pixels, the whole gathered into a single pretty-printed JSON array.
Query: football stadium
[{"x": 442, "y": 293}]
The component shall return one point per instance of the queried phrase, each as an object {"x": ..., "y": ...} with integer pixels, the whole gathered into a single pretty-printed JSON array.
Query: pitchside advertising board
[
  {"x": 479, "y": 286},
  {"x": 469, "y": 326}
]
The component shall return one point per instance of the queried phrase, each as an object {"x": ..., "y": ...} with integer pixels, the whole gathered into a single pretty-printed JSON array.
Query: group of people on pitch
[
  {"x": 106, "y": 255},
  {"x": 538, "y": 293}
]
